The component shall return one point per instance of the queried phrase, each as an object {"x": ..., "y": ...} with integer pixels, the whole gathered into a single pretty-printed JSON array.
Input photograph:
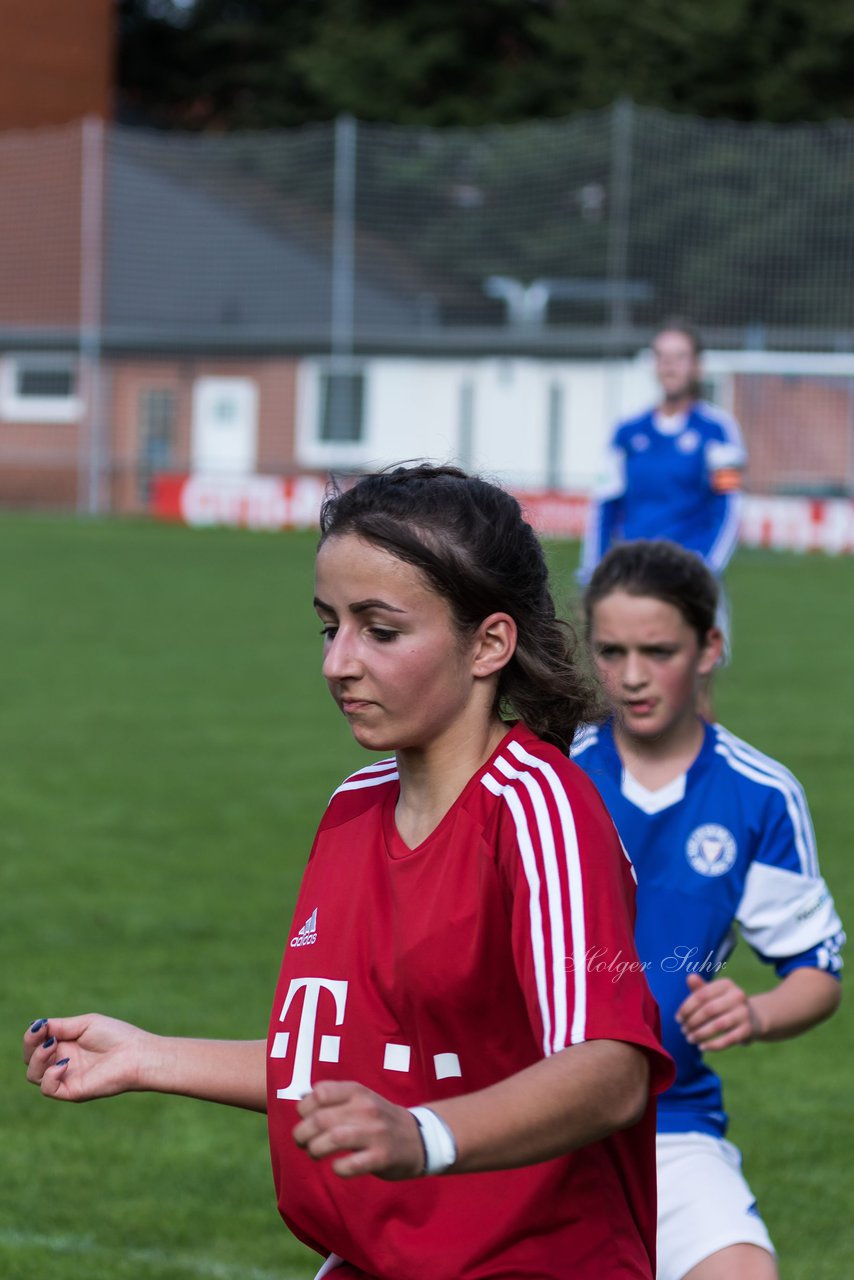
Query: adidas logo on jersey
[{"x": 307, "y": 935}]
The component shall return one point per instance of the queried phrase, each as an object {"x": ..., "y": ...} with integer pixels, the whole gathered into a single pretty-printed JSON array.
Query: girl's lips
[
  {"x": 349, "y": 705},
  {"x": 640, "y": 708}
]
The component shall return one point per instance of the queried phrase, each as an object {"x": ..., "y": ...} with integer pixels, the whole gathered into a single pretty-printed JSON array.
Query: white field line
[{"x": 153, "y": 1259}]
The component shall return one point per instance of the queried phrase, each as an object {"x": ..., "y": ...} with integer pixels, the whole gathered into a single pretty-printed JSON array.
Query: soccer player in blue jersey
[
  {"x": 720, "y": 836},
  {"x": 674, "y": 471}
]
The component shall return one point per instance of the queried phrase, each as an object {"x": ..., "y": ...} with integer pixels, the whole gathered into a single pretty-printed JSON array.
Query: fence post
[
  {"x": 91, "y": 465},
  {"x": 618, "y": 222},
  {"x": 343, "y": 245}
]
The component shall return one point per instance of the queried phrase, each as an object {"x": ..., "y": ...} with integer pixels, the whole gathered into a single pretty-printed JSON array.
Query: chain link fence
[{"x": 556, "y": 241}]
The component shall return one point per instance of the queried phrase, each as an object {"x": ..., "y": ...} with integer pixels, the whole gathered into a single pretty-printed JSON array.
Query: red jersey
[{"x": 431, "y": 972}]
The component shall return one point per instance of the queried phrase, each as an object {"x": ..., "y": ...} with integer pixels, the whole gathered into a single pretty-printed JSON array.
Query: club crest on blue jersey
[
  {"x": 639, "y": 442},
  {"x": 711, "y": 849},
  {"x": 689, "y": 441}
]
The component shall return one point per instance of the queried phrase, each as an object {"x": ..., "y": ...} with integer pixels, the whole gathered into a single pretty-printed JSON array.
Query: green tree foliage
[
  {"x": 217, "y": 64},
  {"x": 737, "y": 221},
  {"x": 264, "y": 63},
  {"x": 732, "y": 224}
]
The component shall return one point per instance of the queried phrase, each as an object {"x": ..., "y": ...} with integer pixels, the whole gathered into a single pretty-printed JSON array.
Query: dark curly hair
[{"x": 470, "y": 540}]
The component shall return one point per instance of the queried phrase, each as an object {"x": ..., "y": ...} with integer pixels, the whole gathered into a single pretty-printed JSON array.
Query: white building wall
[
  {"x": 415, "y": 409},
  {"x": 522, "y": 421}
]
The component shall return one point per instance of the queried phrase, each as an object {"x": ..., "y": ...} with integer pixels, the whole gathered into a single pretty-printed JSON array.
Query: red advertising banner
[
  {"x": 248, "y": 502},
  {"x": 293, "y": 502}
]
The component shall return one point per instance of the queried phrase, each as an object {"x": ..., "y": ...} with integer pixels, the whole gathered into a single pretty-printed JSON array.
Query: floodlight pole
[
  {"x": 618, "y": 223},
  {"x": 344, "y": 237},
  {"x": 91, "y": 285}
]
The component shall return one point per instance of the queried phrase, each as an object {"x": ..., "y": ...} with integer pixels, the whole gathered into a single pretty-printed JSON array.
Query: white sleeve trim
[
  {"x": 783, "y": 913},
  {"x": 724, "y": 453}
]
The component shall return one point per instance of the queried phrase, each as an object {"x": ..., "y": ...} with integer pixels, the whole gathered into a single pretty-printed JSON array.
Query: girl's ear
[
  {"x": 494, "y": 644},
  {"x": 710, "y": 654}
]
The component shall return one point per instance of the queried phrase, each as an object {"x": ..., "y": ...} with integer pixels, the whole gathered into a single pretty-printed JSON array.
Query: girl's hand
[
  {"x": 76, "y": 1059},
  {"x": 377, "y": 1136},
  {"x": 717, "y": 1014}
]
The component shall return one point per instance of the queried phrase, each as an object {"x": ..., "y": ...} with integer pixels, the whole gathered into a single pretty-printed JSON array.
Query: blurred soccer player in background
[{"x": 674, "y": 471}]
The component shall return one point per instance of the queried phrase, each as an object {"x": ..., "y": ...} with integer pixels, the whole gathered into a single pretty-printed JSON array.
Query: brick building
[{"x": 56, "y": 61}]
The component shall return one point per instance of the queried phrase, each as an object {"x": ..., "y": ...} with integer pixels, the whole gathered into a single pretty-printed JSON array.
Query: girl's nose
[
  {"x": 339, "y": 659},
  {"x": 634, "y": 672}
]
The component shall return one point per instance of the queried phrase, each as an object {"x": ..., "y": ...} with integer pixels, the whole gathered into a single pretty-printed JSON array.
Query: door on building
[
  {"x": 224, "y": 438},
  {"x": 157, "y": 417}
]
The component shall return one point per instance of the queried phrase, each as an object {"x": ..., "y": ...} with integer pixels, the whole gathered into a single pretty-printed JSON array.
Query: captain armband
[{"x": 726, "y": 480}]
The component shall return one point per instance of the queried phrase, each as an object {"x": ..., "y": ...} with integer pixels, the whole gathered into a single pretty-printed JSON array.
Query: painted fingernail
[
  {"x": 37, "y": 1025},
  {"x": 51, "y": 1040},
  {"x": 63, "y": 1062}
]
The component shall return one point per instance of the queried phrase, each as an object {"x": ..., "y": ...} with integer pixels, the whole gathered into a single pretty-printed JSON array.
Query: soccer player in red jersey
[{"x": 460, "y": 994}]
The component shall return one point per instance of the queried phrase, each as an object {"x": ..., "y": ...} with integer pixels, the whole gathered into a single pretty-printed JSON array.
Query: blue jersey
[
  {"x": 676, "y": 480},
  {"x": 729, "y": 842}
]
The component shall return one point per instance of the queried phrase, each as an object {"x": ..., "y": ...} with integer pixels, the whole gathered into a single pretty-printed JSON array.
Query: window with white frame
[
  {"x": 39, "y": 387},
  {"x": 342, "y": 403}
]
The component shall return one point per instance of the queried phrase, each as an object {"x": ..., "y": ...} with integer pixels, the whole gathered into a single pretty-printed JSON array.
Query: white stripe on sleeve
[
  {"x": 569, "y": 839},
  {"x": 554, "y": 897},
  {"x": 769, "y": 773},
  {"x": 723, "y": 546},
  {"x": 529, "y": 864}
]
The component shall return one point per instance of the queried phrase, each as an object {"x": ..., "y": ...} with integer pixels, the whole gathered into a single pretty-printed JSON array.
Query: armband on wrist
[{"x": 440, "y": 1149}]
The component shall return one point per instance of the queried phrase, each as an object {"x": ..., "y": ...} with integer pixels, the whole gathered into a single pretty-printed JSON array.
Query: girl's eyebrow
[{"x": 359, "y": 606}]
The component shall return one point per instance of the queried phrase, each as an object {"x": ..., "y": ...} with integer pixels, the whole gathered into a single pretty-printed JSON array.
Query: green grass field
[{"x": 167, "y": 748}]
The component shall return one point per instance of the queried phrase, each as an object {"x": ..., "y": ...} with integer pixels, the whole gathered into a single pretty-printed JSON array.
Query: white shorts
[{"x": 704, "y": 1203}]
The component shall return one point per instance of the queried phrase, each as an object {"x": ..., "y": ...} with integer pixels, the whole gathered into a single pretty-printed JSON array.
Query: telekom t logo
[{"x": 328, "y": 1050}]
